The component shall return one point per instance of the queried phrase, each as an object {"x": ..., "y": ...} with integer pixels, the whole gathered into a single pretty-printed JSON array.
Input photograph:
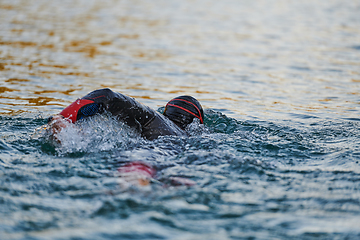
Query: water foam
[{"x": 95, "y": 134}]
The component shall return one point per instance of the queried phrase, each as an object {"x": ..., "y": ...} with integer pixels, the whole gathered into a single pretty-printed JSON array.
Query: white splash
[{"x": 95, "y": 134}]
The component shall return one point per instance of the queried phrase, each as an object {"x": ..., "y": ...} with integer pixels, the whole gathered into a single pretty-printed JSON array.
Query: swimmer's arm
[{"x": 121, "y": 106}]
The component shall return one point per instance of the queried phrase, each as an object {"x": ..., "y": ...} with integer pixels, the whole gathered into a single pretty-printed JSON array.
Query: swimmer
[
  {"x": 178, "y": 114},
  {"x": 181, "y": 111}
]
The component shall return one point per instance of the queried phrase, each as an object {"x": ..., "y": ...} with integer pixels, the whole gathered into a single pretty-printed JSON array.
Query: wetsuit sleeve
[
  {"x": 123, "y": 107},
  {"x": 150, "y": 123}
]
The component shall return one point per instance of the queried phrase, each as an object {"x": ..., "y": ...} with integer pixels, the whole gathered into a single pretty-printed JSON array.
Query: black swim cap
[{"x": 183, "y": 109}]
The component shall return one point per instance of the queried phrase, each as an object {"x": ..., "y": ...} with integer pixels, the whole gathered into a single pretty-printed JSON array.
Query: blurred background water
[{"x": 278, "y": 157}]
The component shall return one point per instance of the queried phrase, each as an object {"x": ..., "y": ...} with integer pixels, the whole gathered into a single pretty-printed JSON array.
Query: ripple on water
[
  {"x": 248, "y": 175},
  {"x": 278, "y": 157}
]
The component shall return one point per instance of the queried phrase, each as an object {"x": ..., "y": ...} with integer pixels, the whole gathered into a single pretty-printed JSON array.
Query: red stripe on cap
[
  {"x": 71, "y": 111},
  {"x": 199, "y": 117},
  {"x": 186, "y": 111}
]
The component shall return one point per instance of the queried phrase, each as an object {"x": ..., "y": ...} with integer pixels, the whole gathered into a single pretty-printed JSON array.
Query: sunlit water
[{"x": 277, "y": 158}]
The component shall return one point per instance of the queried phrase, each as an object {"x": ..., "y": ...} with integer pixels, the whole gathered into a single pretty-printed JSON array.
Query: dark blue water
[
  {"x": 253, "y": 180},
  {"x": 278, "y": 155}
]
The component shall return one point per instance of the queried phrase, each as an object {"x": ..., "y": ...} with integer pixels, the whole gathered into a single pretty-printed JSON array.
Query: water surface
[{"x": 278, "y": 157}]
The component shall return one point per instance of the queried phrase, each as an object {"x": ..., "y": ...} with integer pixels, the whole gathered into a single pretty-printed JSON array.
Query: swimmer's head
[{"x": 183, "y": 109}]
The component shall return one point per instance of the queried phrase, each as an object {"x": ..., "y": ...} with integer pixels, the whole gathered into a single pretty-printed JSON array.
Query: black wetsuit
[{"x": 147, "y": 121}]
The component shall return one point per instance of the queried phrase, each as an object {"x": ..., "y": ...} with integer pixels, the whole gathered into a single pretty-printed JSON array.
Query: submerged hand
[{"x": 137, "y": 173}]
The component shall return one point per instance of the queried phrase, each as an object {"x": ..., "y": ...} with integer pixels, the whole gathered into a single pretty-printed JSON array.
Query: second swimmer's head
[{"x": 183, "y": 109}]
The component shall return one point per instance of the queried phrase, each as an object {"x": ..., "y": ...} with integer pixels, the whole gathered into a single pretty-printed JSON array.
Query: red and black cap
[{"x": 183, "y": 109}]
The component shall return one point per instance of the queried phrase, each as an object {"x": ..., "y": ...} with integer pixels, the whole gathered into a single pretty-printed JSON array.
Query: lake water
[{"x": 278, "y": 157}]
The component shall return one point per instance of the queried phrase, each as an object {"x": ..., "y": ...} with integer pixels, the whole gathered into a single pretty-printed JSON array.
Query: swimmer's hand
[{"x": 56, "y": 124}]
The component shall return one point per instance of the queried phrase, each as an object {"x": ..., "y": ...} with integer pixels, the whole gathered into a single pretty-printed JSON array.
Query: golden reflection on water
[
  {"x": 52, "y": 52},
  {"x": 5, "y": 89}
]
